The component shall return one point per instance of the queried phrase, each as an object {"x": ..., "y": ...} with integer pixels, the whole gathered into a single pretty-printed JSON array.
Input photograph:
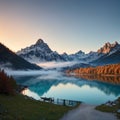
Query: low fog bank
[
  {"x": 26, "y": 73},
  {"x": 57, "y": 65},
  {"x": 40, "y": 75},
  {"x": 50, "y": 69}
]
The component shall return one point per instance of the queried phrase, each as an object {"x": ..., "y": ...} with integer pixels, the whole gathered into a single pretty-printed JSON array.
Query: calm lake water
[{"x": 57, "y": 85}]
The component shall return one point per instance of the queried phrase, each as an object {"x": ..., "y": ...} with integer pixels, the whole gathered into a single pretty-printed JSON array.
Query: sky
[{"x": 65, "y": 25}]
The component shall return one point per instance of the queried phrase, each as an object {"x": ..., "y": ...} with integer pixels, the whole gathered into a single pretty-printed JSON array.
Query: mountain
[
  {"x": 108, "y": 59},
  {"x": 39, "y": 52},
  {"x": 77, "y": 56},
  {"x": 80, "y": 56},
  {"x": 91, "y": 56},
  {"x": 76, "y": 66},
  {"x": 111, "y": 54},
  {"x": 107, "y": 48},
  {"x": 66, "y": 57},
  {"x": 9, "y": 59}
]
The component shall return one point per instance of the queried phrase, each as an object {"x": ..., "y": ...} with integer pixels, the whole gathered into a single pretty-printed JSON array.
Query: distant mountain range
[
  {"x": 9, "y": 59},
  {"x": 40, "y": 52}
]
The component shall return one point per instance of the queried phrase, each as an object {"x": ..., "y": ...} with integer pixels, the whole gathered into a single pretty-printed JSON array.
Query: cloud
[
  {"x": 46, "y": 71},
  {"x": 50, "y": 65}
]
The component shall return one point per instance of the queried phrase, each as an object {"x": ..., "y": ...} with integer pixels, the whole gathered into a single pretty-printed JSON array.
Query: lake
[{"x": 53, "y": 83}]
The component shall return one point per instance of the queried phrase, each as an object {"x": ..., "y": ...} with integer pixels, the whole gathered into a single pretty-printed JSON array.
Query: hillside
[{"x": 8, "y": 59}]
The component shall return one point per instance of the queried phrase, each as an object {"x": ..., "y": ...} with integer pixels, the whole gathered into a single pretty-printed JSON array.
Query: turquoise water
[{"x": 55, "y": 84}]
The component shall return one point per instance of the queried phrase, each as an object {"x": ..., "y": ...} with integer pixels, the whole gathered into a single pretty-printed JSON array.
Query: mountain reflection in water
[
  {"x": 110, "y": 79},
  {"x": 65, "y": 87}
]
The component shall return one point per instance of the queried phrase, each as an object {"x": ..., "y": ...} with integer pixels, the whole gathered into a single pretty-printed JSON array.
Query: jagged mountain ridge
[
  {"x": 111, "y": 54},
  {"x": 108, "y": 59},
  {"x": 107, "y": 48},
  {"x": 107, "y": 51},
  {"x": 40, "y": 52},
  {"x": 8, "y": 59}
]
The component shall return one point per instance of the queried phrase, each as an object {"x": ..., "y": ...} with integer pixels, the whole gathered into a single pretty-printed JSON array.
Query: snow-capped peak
[
  {"x": 80, "y": 53},
  {"x": 108, "y": 47},
  {"x": 39, "y": 41},
  {"x": 39, "y": 52}
]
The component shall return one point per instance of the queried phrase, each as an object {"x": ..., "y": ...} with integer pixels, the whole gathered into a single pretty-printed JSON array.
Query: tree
[
  {"x": 7, "y": 84},
  {"x": 113, "y": 69}
]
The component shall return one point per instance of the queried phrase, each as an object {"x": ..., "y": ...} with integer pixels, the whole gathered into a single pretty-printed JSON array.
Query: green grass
[
  {"x": 19, "y": 108},
  {"x": 111, "y": 109}
]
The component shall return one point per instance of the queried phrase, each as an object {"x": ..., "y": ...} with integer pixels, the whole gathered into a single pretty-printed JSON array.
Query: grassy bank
[
  {"x": 112, "y": 109},
  {"x": 20, "y": 107}
]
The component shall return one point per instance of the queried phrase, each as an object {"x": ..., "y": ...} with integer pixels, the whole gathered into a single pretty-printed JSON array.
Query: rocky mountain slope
[
  {"x": 39, "y": 52},
  {"x": 111, "y": 54}
]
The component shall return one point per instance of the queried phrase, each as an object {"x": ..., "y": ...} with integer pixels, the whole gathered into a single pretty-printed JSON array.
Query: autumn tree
[{"x": 113, "y": 69}]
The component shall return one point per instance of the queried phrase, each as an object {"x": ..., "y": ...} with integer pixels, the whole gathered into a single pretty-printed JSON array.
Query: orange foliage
[{"x": 113, "y": 69}]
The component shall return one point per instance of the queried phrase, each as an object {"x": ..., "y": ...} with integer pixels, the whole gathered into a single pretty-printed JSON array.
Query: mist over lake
[{"x": 54, "y": 83}]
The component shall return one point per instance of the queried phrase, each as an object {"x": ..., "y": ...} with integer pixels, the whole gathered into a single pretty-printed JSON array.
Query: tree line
[
  {"x": 7, "y": 84},
  {"x": 112, "y": 69}
]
